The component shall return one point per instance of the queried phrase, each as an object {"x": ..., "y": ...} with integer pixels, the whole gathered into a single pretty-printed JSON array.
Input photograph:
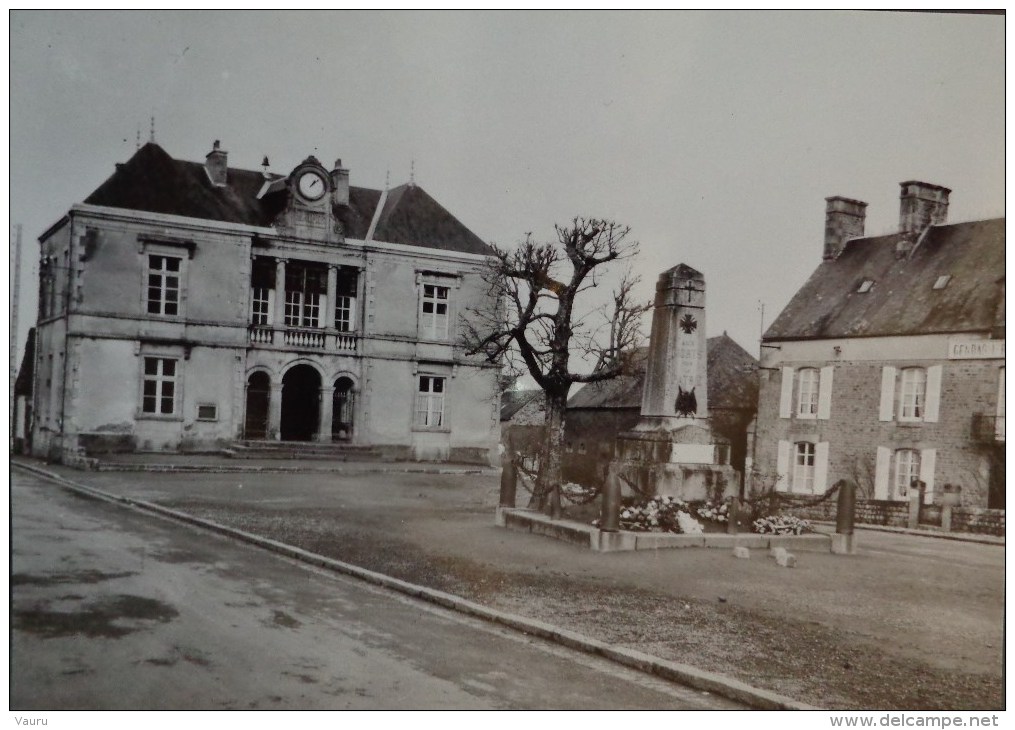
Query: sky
[{"x": 715, "y": 136}]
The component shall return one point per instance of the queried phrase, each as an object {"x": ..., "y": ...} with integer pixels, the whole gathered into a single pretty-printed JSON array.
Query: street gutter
[{"x": 684, "y": 674}]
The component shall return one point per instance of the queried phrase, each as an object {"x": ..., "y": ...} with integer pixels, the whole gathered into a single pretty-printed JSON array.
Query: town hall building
[{"x": 186, "y": 306}]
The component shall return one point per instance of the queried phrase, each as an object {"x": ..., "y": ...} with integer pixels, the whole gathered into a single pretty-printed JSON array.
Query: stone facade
[{"x": 258, "y": 308}]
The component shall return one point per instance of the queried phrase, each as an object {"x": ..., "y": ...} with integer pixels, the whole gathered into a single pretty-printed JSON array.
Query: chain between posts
[
  {"x": 793, "y": 500},
  {"x": 524, "y": 473},
  {"x": 638, "y": 490}
]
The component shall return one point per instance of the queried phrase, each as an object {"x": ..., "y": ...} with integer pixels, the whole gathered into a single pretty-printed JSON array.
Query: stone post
[
  {"x": 609, "y": 517},
  {"x": 949, "y": 498},
  {"x": 508, "y": 481},
  {"x": 843, "y": 541},
  {"x": 733, "y": 517},
  {"x": 915, "y": 503}
]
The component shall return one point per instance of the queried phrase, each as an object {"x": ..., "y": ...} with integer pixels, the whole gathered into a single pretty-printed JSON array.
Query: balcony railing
[
  {"x": 303, "y": 338},
  {"x": 987, "y": 429}
]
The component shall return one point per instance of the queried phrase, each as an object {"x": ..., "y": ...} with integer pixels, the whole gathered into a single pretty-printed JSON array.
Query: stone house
[
  {"x": 185, "y": 306},
  {"x": 887, "y": 366},
  {"x": 600, "y": 411}
]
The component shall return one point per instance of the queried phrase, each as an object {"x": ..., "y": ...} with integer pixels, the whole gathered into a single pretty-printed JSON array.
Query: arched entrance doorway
[
  {"x": 301, "y": 396},
  {"x": 255, "y": 425},
  {"x": 342, "y": 410}
]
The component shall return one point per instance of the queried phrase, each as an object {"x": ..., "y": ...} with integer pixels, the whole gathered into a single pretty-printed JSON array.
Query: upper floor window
[
  {"x": 430, "y": 402},
  {"x": 163, "y": 295},
  {"x": 345, "y": 300},
  {"x": 262, "y": 291},
  {"x": 807, "y": 393},
  {"x": 158, "y": 391},
  {"x": 803, "y": 467},
  {"x": 913, "y": 395},
  {"x": 305, "y": 294},
  {"x": 907, "y": 470},
  {"x": 434, "y": 312},
  {"x": 260, "y": 305},
  {"x": 811, "y": 388}
]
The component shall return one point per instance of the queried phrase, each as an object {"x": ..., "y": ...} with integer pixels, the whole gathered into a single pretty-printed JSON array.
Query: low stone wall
[{"x": 979, "y": 520}]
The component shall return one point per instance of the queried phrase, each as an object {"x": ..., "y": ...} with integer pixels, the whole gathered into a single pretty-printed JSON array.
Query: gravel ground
[{"x": 824, "y": 665}]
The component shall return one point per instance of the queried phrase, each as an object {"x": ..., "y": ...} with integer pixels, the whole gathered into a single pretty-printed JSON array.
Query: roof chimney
[
  {"x": 844, "y": 219},
  {"x": 339, "y": 184},
  {"x": 921, "y": 205},
  {"x": 215, "y": 165}
]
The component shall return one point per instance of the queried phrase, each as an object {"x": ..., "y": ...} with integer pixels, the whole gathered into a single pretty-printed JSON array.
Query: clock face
[{"x": 311, "y": 186}]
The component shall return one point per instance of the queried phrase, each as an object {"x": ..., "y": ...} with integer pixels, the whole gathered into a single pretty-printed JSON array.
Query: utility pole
[{"x": 15, "y": 300}]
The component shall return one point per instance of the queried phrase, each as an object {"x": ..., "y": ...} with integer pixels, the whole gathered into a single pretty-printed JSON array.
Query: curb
[
  {"x": 995, "y": 540},
  {"x": 674, "y": 671},
  {"x": 521, "y": 519},
  {"x": 241, "y": 469}
]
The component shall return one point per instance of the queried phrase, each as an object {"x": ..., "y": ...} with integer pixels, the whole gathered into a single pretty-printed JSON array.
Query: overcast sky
[{"x": 715, "y": 136}]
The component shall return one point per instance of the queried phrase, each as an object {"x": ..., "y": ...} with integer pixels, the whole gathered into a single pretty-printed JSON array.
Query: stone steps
[{"x": 304, "y": 450}]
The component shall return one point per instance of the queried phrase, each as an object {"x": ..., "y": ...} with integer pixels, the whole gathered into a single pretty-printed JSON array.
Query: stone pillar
[
  {"x": 275, "y": 412},
  {"x": 279, "y": 292},
  {"x": 325, "y": 412},
  {"x": 360, "y": 320},
  {"x": 329, "y": 314},
  {"x": 676, "y": 376}
]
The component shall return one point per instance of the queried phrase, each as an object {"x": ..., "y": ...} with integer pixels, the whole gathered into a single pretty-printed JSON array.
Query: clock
[{"x": 311, "y": 186}]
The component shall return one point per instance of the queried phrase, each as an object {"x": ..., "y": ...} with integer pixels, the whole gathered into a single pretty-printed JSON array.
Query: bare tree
[{"x": 538, "y": 328}]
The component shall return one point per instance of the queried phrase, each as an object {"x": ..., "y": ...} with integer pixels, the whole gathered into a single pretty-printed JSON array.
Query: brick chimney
[
  {"x": 844, "y": 219},
  {"x": 339, "y": 184},
  {"x": 215, "y": 165},
  {"x": 921, "y": 205}
]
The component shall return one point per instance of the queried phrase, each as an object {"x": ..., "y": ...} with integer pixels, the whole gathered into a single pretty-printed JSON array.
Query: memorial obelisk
[{"x": 672, "y": 450}]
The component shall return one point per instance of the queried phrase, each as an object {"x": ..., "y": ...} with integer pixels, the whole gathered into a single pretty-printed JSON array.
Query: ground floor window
[
  {"x": 803, "y": 467},
  {"x": 430, "y": 402},
  {"x": 907, "y": 470},
  {"x": 159, "y": 386}
]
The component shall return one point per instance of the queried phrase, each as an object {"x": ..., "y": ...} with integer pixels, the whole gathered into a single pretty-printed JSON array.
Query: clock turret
[{"x": 309, "y": 212}]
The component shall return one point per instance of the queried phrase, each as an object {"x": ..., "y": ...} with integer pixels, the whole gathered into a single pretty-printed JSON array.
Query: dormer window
[
  {"x": 942, "y": 281},
  {"x": 865, "y": 286}
]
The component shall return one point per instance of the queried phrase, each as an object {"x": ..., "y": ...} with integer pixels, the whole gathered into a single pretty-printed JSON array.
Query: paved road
[{"x": 113, "y": 609}]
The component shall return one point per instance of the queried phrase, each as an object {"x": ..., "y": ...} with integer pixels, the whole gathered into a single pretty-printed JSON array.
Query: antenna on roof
[
  {"x": 138, "y": 142},
  {"x": 151, "y": 135},
  {"x": 387, "y": 179},
  {"x": 412, "y": 172}
]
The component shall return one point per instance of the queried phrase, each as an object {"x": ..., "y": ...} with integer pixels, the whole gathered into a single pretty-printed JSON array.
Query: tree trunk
[{"x": 548, "y": 483}]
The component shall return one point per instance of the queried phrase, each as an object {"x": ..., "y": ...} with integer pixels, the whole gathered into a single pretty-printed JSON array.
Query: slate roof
[
  {"x": 902, "y": 300},
  {"x": 153, "y": 181},
  {"x": 512, "y": 401},
  {"x": 732, "y": 380}
]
